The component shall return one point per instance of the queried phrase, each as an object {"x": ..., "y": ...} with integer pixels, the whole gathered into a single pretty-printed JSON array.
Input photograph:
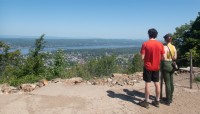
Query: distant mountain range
[{"x": 55, "y": 42}]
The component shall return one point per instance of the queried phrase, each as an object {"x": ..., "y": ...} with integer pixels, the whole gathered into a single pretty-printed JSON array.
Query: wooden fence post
[
  {"x": 161, "y": 86},
  {"x": 191, "y": 70}
]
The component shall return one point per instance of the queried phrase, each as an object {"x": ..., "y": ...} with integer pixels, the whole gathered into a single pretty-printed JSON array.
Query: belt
[{"x": 168, "y": 60}]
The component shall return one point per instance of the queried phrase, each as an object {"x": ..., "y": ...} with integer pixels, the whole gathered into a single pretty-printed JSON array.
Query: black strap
[{"x": 170, "y": 52}]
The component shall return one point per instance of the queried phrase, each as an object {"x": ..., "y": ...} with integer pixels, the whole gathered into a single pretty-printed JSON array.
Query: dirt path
[{"x": 59, "y": 98}]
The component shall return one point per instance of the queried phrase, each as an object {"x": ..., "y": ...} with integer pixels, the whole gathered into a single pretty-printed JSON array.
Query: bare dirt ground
[{"x": 60, "y": 98}]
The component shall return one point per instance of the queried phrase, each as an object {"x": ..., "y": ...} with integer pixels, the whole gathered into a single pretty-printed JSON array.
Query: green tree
[
  {"x": 59, "y": 64},
  {"x": 136, "y": 65},
  {"x": 186, "y": 40},
  {"x": 34, "y": 63},
  {"x": 9, "y": 60},
  {"x": 92, "y": 66},
  {"x": 180, "y": 35},
  {"x": 106, "y": 66}
]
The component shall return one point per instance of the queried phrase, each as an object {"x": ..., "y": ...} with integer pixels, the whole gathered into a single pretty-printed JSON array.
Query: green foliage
[
  {"x": 8, "y": 59},
  {"x": 195, "y": 55},
  {"x": 14, "y": 81},
  {"x": 102, "y": 67},
  {"x": 186, "y": 40},
  {"x": 16, "y": 70},
  {"x": 92, "y": 66},
  {"x": 180, "y": 34},
  {"x": 136, "y": 65},
  {"x": 39, "y": 46},
  {"x": 34, "y": 64},
  {"x": 59, "y": 64}
]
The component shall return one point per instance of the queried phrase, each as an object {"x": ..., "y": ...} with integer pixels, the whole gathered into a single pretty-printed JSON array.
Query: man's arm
[
  {"x": 142, "y": 51},
  {"x": 142, "y": 56}
]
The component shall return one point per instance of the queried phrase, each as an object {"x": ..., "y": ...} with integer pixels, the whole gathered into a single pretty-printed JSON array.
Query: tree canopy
[{"x": 186, "y": 40}]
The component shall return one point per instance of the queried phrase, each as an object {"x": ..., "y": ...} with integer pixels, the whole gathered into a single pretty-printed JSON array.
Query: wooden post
[
  {"x": 191, "y": 70},
  {"x": 161, "y": 86}
]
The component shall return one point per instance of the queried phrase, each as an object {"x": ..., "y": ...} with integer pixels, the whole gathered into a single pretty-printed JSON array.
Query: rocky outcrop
[
  {"x": 118, "y": 79},
  {"x": 7, "y": 89},
  {"x": 115, "y": 79}
]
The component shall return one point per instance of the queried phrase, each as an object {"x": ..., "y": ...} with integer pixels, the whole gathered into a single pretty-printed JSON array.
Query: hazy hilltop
[{"x": 28, "y": 42}]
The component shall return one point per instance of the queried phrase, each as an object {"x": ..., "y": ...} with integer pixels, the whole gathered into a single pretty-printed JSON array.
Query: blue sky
[{"x": 95, "y": 18}]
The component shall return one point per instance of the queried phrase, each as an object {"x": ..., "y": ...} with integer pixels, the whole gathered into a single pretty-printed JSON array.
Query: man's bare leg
[
  {"x": 147, "y": 91},
  {"x": 157, "y": 90}
]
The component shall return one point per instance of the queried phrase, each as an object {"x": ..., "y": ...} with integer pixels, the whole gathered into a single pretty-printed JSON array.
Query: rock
[
  {"x": 118, "y": 79},
  {"x": 138, "y": 74},
  {"x": 114, "y": 75},
  {"x": 74, "y": 80},
  {"x": 105, "y": 80},
  {"x": 88, "y": 82},
  {"x": 27, "y": 87},
  {"x": 39, "y": 84},
  {"x": 5, "y": 88},
  {"x": 95, "y": 83},
  {"x": 176, "y": 73},
  {"x": 13, "y": 90},
  {"x": 109, "y": 80},
  {"x": 135, "y": 81},
  {"x": 57, "y": 80},
  {"x": 114, "y": 82},
  {"x": 43, "y": 82},
  {"x": 131, "y": 82}
]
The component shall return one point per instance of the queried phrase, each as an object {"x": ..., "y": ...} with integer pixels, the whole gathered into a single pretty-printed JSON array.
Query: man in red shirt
[{"x": 152, "y": 52}]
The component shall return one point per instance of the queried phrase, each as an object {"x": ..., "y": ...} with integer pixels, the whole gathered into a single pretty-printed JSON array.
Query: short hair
[
  {"x": 152, "y": 33},
  {"x": 168, "y": 37}
]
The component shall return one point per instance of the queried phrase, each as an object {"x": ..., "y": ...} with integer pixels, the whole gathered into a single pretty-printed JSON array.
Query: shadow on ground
[{"x": 131, "y": 96}]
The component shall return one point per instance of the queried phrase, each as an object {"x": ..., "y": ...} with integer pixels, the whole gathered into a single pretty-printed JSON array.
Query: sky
[{"x": 95, "y": 18}]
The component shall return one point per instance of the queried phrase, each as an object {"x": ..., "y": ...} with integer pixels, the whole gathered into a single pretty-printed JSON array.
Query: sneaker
[
  {"x": 144, "y": 104},
  {"x": 168, "y": 103},
  {"x": 155, "y": 103}
]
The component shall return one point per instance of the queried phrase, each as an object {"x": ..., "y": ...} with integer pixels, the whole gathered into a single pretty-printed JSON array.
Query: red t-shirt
[{"x": 152, "y": 51}]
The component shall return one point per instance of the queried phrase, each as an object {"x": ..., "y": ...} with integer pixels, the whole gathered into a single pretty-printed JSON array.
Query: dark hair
[
  {"x": 168, "y": 37},
  {"x": 152, "y": 33}
]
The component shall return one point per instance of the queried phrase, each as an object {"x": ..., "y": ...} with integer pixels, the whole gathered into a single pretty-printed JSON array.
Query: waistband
[{"x": 166, "y": 60}]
